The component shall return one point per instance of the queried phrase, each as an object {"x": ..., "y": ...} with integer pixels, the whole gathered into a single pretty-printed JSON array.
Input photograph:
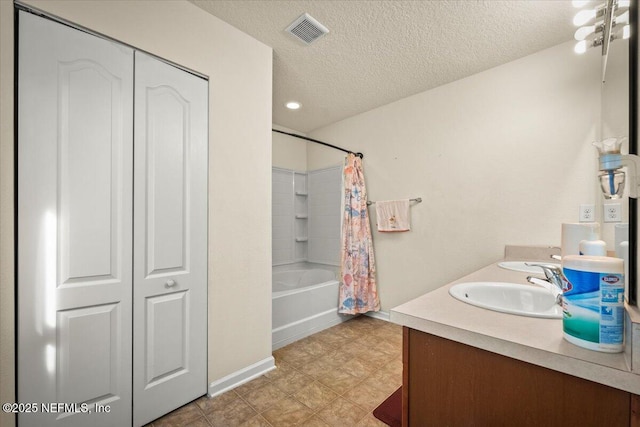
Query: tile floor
[{"x": 336, "y": 377}]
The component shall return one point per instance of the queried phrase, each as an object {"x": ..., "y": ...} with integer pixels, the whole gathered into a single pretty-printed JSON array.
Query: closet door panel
[
  {"x": 87, "y": 204},
  {"x": 170, "y": 241},
  {"x": 167, "y": 330},
  {"x": 83, "y": 354},
  {"x": 167, "y": 145},
  {"x": 75, "y": 97}
]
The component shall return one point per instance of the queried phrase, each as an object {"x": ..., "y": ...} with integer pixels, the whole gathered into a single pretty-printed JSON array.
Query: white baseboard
[
  {"x": 242, "y": 376},
  {"x": 382, "y": 315}
]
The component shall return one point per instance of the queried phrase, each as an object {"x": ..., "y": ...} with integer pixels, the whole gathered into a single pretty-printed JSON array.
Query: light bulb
[
  {"x": 583, "y": 17},
  {"x": 622, "y": 19},
  {"x": 581, "y": 47},
  {"x": 293, "y": 105},
  {"x": 579, "y": 3},
  {"x": 624, "y": 33},
  {"x": 583, "y": 32}
]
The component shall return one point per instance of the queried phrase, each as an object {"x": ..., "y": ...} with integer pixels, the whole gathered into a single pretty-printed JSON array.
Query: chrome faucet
[{"x": 553, "y": 282}]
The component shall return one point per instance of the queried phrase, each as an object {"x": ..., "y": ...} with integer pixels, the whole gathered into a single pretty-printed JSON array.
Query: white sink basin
[
  {"x": 512, "y": 298},
  {"x": 521, "y": 266}
]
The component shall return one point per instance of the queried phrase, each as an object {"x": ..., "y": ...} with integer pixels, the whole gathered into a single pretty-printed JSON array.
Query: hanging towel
[{"x": 393, "y": 215}]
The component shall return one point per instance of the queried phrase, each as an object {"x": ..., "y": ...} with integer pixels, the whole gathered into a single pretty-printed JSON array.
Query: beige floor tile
[
  {"x": 256, "y": 421},
  {"x": 318, "y": 367},
  {"x": 358, "y": 367},
  {"x": 282, "y": 368},
  {"x": 394, "y": 366},
  {"x": 346, "y": 331},
  {"x": 292, "y": 382},
  {"x": 390, "y": 372},
  {"x": 368, "y": 398},
  {"x": 338, "y": 357},
  {"x": 264, "y": 397},
  {"x": 370, "y": 421},
  {"x": 387, "y": 347},
  {"x": 315, "y": 347},
  {"x": 252, "y": 385},
  {"x": 329, "y": 338},
  {"x": 180, "y": 417},
  {"x": 315, "y": 421},
  {"x": 376, "y": 357},
  {"x": 208, "y": 404},
  {"x": 361, "y": 347},
  {"x": 364, "y": 326},
  {"x": 339, "y": 381},
  {"x": 295, "y": 356},
  {"x": 341, "y": 412},
  {"x": 200, "y": 422},
  {"x": 385, "y": 386},
  {"x": 333, "y": 378},
  {"x": 235, "y": 413},
  {"x": 315, "y": 396},
  {"x": 287, "y": 412},
  {"x": 392, "y": 332}
]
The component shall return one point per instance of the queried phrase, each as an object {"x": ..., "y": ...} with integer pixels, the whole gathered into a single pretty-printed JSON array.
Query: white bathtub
[{"x": 305, "y": 301}]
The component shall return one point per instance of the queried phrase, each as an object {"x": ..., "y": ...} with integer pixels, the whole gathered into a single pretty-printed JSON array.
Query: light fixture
[
  {"x": 582, "y": 46},
  {"x": 613, "y": 13},
  {"x": 579, "y": 3},
  {"x": 587, "y": 15},
  {"x": 623, "y": 33},
  {"x": 293, "y": 105}
]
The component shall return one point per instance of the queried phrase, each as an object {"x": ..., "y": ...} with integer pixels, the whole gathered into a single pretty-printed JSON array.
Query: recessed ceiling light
[{"x": 293, "y": 105}]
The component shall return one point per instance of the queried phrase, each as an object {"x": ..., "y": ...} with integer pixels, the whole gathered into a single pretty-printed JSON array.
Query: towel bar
[{"x": 417, "y": 200}]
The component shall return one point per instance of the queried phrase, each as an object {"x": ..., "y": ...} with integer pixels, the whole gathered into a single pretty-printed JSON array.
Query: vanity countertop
[{"x": 533, "y": 340}]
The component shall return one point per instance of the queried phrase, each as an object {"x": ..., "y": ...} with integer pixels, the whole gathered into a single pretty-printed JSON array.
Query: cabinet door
[
  {"x": 170, "y": 241},
  {"x": 447, "y": 383},
  {"x": 74, "y": 225}
]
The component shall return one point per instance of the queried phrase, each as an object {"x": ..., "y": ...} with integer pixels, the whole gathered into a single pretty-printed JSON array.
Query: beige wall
[
  {"x": 501, "y": 157},
  {"x": 7, "y": 354},
  {"x": 296, "y": 154},
  {"x": 321, "y": 157},
  {"x": 239, "y": 69},
  {"x": 288, "y": 152}
]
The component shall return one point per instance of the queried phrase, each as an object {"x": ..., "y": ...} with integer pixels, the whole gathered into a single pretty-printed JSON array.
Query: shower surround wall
[
  {"x": 306, "y": 243},
  {"x": 289, "y": 216},
  {"x": 324, "y": 215},
  {"x": 306, "y": 216}
]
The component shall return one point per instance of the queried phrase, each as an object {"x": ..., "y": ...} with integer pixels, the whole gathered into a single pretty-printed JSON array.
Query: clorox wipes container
[{"x": 593, "y": 302}]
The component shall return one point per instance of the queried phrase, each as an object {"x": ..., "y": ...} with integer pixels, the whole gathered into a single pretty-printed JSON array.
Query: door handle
[{"x": 170, "y": 283}]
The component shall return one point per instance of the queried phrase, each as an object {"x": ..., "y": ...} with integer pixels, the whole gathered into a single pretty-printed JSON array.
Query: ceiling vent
[{"x": 307, "y": 29}]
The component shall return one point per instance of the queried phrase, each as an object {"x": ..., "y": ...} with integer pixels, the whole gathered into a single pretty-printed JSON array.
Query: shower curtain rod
[{"x": 319, "y": 142}]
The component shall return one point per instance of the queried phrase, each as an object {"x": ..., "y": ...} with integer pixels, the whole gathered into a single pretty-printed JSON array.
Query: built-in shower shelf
[
  {"x": 302, "y": 239},
  {"x": 302, "y": 216},
  {"x": 300, "y": 193}
]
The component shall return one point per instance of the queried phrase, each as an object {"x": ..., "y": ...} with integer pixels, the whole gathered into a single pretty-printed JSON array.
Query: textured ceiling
[{"x": 378, "y": 52}]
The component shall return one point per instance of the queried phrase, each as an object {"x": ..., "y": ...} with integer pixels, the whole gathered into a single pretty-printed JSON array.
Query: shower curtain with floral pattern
[{"x": 358, "y": 293}]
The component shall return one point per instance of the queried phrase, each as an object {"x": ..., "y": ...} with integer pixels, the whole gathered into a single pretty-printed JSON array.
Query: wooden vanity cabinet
[{"x": 446, "y": 383}]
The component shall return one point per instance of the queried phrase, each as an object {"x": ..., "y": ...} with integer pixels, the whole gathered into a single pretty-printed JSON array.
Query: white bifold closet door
[
  {"x": 111, "y": 304},
  {"x": 170, "y": 238},
  {"x": 75, "y": 186}
]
